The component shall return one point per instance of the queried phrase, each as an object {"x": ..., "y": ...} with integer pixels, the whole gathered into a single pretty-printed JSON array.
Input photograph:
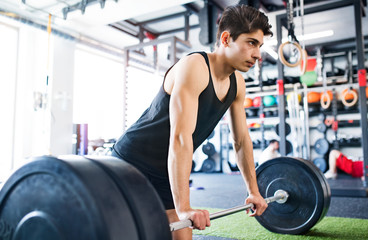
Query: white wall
[
  {"x": 61, "y": 130},
  {"x": 31, "y": 78}
]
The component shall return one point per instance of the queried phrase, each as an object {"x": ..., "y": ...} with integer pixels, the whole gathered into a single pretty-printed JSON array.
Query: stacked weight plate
[{"x": 80, "y": 198}]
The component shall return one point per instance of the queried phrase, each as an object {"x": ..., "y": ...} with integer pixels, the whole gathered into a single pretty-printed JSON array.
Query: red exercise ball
[{"x": 257, "y": 101}]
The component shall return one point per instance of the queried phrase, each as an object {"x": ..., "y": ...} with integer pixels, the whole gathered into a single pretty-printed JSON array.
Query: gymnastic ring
[
  {"x": 282, "y": 58},
  {"x": 353, "y": 102},
  {"x": 326, "y": 104},
  {"x": 305, "y": 60}
]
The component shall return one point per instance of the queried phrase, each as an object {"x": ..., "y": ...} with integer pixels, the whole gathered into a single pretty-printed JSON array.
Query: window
[
  {"x": 98, "y": 93},
  {"x": 142, "y": 87},
  {"x": 8, "y": 81}
]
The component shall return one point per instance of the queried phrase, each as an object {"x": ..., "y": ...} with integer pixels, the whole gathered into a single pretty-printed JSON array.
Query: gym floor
[{"x": 220, "y": 190}]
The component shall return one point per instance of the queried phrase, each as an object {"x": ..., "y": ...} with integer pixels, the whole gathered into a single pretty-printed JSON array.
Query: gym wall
[{"x": 25, "y": 121}]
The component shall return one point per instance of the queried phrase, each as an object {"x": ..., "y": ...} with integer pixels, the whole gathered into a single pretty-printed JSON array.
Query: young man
[
  {"x": 196, "y": 92},
  {"x": 337, "y": 159},
  {"x": 270, "y": 152}
]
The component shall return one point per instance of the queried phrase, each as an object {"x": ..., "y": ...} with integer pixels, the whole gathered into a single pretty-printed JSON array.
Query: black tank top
[{"x": 146, "y": 143}]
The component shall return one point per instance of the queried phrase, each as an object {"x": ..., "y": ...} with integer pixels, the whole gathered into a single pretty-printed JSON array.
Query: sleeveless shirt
[{"x": 146, "y": 143}]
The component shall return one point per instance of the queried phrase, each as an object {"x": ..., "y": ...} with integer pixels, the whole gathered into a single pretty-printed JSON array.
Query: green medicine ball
[
  {"x": 269, "y": 101},
  {"x": 309, "y": 78}
]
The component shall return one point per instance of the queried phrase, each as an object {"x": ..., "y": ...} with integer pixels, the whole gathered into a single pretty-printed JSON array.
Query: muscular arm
[
  {"x": 243, "y": 146},
  {"x": 190, "y": 80}
]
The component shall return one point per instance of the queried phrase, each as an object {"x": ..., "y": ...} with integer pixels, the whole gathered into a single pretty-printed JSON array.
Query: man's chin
[{"x": 243, "y": 69}]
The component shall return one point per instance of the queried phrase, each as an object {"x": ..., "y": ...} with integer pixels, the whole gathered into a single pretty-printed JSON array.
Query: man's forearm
[
  {"x": 245, "y": 160},
  {"x": 179, "y": 168}
]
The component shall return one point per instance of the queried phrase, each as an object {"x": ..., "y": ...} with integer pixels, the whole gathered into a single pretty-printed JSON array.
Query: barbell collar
[{"x": 280, "y": 197}]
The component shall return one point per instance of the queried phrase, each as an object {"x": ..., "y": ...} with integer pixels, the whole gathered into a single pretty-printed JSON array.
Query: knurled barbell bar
[
  {"x": 280, "y": 197},
  {"x": 106, "y": 198}
]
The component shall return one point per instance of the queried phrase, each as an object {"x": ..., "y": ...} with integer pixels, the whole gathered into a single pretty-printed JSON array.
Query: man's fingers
[
  {"x": 257, "y": 209},
  {"x": 201, "y": 219},
  {"x": 208, "y": 222},
  {"x": 254, "y": 213}
]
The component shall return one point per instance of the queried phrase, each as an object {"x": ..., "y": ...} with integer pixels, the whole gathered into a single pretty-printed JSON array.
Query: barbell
[
  {"x": 280, "y": 196},
  {"x": 107, "y": 198}
]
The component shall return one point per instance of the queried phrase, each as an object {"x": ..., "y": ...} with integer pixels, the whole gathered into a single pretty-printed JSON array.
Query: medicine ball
[
  {"x": 313, "y": 97},
  {"x": 256, "y": 125},
  {"x": 288, "y": 97},
  {"x": 257, "y": 101},
  {"x": 248, "y": 102},
  {"x": 309, "y": 78},
  {"x": 269, "y": 100}
]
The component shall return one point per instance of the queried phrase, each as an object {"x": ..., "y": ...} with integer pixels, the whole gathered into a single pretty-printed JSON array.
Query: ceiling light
[
  {"x": 309, "y": 36},
  {"x": 316, "y": 35}
]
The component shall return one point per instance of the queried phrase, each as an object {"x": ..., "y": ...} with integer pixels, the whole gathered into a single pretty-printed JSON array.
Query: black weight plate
[
  {"x": 287, "y": 129},
  {"x": 321, "y": 164},
  {"x": 211, "y": 135},
  {"x": 268, "y": 113},
  {"x": 208, "y": 149},
  {"x": 251, "y": 112},
  {"x": 208, "y": 165},
  {"x": 313, "y": 108},
  {"x": 145, "y": 204},
  {"x": 50, "y": 198},
  {"x": 309, "y": 195},
  {"x": 321, "y": 146},
  {"x": 289, "y": 147},
  {"x": 321, "y": 128}
]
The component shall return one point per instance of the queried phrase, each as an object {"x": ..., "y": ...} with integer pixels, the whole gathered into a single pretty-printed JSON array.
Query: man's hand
[
  {"x": 200, "y": 218},
  {"x": 259, "y": 203}
]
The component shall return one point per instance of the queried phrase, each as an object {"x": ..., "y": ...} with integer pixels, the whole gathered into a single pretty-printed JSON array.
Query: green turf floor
[{"x": 240, "y": 226}]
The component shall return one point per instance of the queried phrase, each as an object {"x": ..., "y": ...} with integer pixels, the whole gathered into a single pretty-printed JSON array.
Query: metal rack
[
  {"x": 133, "y": 57},
  {"x": 362, "y": 81}
]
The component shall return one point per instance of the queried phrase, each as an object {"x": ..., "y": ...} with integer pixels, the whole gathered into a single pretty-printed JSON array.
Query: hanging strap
[{"x": 290, "y": 21}]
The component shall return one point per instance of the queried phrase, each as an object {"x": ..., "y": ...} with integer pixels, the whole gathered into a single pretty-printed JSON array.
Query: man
[
  {"x": 270, "y": 152},
  {"x": 196, "y": 92},
  {"x": 337, "y": 159}
]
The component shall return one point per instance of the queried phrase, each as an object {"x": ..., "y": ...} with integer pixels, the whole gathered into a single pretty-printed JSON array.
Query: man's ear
[{"x": 225, "y": 38}]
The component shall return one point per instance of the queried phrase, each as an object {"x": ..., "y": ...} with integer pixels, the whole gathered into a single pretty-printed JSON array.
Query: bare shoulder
[
  {"x": 194, "y": 62},
  {"x": 240, "y": 84},
  {"x": 192, "y": 71},
  {"x": 239, "y": 77}
]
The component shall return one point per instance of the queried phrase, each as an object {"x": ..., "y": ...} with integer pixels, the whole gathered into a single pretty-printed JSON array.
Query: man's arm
[
  {"x": 191, "y": 78},
  {"x": 244, "y": 148}
]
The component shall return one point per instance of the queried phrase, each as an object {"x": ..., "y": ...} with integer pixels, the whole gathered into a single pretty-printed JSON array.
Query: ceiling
[{"x": 120, "y": 23}]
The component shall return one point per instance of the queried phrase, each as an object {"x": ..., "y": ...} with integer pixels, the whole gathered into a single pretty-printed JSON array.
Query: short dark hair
[
  {"x": 240, "y": 19},
  {"x": 272, "y": 141}
]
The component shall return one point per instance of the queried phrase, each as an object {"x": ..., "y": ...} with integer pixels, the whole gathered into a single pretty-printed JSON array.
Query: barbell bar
[{"x": 279, "y": 197}]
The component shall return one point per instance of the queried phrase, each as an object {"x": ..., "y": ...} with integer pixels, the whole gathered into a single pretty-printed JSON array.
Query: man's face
[{"x": 245, "y": 50}]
